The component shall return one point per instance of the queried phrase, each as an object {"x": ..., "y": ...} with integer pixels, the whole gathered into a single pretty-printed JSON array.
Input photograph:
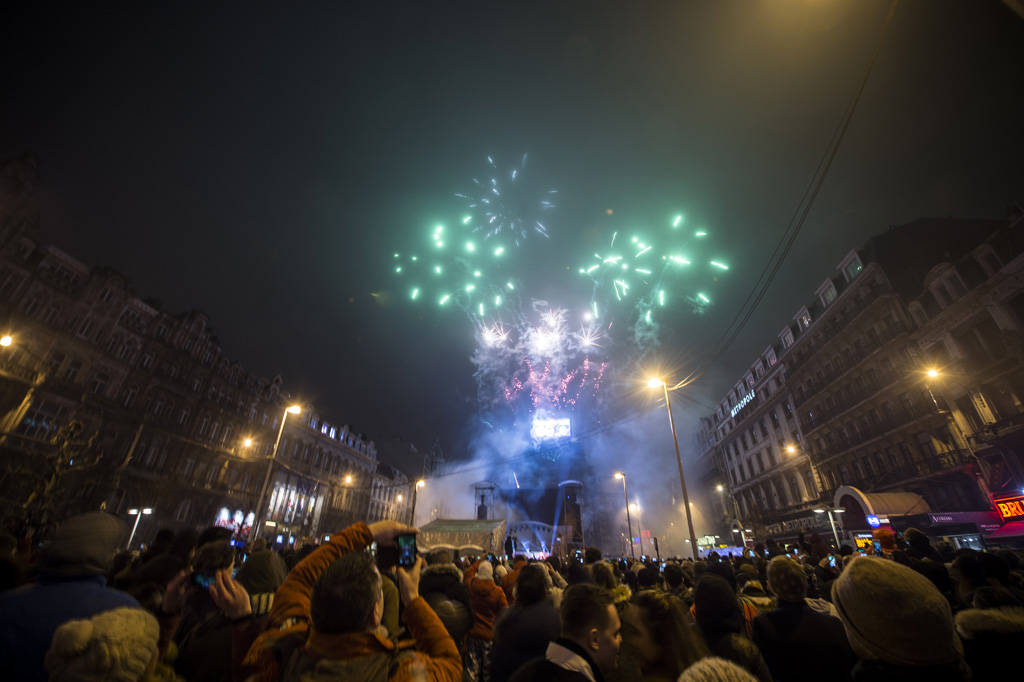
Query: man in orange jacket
[{"x": 325, "y": 621}]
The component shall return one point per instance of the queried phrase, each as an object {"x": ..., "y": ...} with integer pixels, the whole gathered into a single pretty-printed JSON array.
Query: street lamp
[
  {"x": 951, "y": 420},
  {"x": 831, "y": 519},
  {"x": 639, "y": 526},
  {"x": 654, "y": 383},
  {"x": 134, "y": 512},
  {"x": 6, "y": 340},
  {"x": 415, "y": 489},
  {"x": 629, "y": 523},
  {"x": 258, "y": 520}
]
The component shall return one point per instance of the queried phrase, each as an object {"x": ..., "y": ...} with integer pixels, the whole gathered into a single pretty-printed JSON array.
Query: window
[
  {"x": 787, "y": 409},
  {"x": 147, "y": 360},
  {"x": 41, "y": 421},
  {"x": 828, "y": 295},
  {"x": 129, "y": 396},
  {"x": 87, "y": 327},
  {"x": 925, "y": 443},
  {"x": 203, "y": 426},
  {"x": 184, "y": 511},
  {"x": 31, "y": 305},
  {"x": 52, "y": 313},
  {"x": 126, "y": 350},
  {"x": 775, "y": 419},
  {"x": 852, "y": 268},
  {"x": 161, "y": 331},
  {"x": 184, "y": 416},
  {"x": 187, "y": 346},
  {"x": 99, "y": 383},
  {"x": 72, "y": 370},
  {"x": 787, "y": 337},
  {"x": 764, "y": 429},
  {"x": 106, "y": 295}
]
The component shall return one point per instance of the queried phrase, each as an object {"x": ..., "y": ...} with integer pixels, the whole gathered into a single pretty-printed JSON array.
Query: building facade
[
  {"x": 107, "y": 401},
  {"x": 903, "y": 377}
]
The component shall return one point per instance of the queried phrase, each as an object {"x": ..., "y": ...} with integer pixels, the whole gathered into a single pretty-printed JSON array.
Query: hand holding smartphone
[{"x": 407, "y": 550}]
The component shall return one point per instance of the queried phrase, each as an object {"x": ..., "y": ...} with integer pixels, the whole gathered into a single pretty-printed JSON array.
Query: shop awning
[
  {"x": 859, "y": 504},
  {"x": 1013, "y": 529}
]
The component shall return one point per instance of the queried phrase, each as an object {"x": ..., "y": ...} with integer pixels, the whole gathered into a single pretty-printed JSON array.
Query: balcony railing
[
  {"x": 990, "y": 432},
  {"x": 822, "y": 335},
  {"x": 888, "y": 422}
]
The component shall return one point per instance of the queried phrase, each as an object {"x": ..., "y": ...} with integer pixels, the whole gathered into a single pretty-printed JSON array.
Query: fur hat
[
  {"x": 500, "y": 572},
  {"x": 786, "y": 578},
  {"x": 713, "y": 669},
  {"x": 83, "y": 545},
  {"x": 485, "y": 571},
  {"x": 115, "y": 645},
  {"x": 895, "y": 614}
]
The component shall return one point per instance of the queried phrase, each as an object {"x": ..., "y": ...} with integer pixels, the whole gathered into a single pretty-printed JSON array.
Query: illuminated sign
[
  {"x": 1010, "y": 508},
  {"x": 545, "y": 429},
  {"x": 873, "y": 521},
  {"x": 741, "y": 404}
]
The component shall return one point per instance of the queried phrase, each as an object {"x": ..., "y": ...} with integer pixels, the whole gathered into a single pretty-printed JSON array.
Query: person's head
[
  {"x": 894, "y": 614},
  {"x": 83, "y": 545},
  {"x": 658, "y": 627},
  {"x": 162, "y": 541},
  {"x": 648, "y": 578},
  {"x": 213, "y": 534},
  {"x": 485, "y": 571},
  {"x": 555, "y": 562},
  {"x": 591, "y": 555},
  {"x": 786, "y": 579},
  {"x": 439, "y": 556},
  {"x": 716, "y": 608},
  {"x": 589, "y": 619},
  {"x": 348, "y": 597},
  {"x": 118, "y": 645},
  {"x": 212, "y": 557},
  {"x": 258, "y": 544},
  {"x": 724, "y": 571},
  {"x": 673, "y": 575},
  {"x": 531, "y": 585},
  {"x": 604, "y": 576}
]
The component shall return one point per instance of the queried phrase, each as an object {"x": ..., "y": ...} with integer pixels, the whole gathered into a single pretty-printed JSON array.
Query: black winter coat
[{"x": 799, "y": 643}]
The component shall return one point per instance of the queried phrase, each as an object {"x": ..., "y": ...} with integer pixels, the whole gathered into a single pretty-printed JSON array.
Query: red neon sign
[{"x": 1010, "y": 508}]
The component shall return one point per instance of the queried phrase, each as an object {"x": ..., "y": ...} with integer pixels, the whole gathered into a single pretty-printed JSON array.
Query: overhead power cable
[{"x": 796, "y": 223}]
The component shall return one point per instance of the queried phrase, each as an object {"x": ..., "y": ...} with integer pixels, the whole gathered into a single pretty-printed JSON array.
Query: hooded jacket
[
  {"x": 508, "y": 581},
  {"x": 488, "y": 602},
  {"x": 992, "y": 639},
  {"x": 435, "y": 655},
  {"x": 441, "y": 585}
]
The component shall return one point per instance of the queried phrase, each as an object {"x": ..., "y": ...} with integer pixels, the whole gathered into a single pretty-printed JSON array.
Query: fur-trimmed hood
[{"x": 1007, "y": 620}]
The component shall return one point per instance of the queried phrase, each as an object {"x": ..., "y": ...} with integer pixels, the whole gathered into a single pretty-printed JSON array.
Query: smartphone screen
[
  {"x": 202, "y": 580},
  {"x": 406, "y": 550},
  {"x": 832, "y": 560}
]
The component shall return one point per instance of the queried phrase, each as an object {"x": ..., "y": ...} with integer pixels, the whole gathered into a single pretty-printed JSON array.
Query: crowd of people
[{"x": 194, "y": 607}]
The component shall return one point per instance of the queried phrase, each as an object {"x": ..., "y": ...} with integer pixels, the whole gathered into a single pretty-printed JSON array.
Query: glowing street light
[
  {"x": 258, "y": 520},
  {"x": 133, "y": 512},
  {"x": 629, "y": 524},
  {"x": 247, "y": 442},
  {"x": 654, "y": 383},
  {"x": 6, "y": 340}
]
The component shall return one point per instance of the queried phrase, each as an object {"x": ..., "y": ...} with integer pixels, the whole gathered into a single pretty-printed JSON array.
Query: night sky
[{"x": 262, "y": 162}]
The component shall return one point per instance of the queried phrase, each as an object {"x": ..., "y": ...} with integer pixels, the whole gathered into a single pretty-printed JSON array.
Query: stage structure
[{"x": 483, "y": 499}]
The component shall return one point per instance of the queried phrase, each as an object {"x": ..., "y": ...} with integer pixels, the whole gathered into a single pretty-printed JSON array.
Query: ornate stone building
[
  {"x": 108, "y": 401},
  {"x": 873, "y": 432}
]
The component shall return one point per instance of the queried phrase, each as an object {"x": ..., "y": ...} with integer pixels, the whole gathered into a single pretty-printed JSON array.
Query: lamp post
[
  {"x": 415, "y": 489},
  {"x": 138, "y": 515},
  {"x": 654, "y": 383},
  {"x": 258, "y": 520},
  {"x": 831, "y": 519},
  {"x": 639, "y": 526},
  {"x": 629, "y": 523},
  {"x": 395, "y": 506},
  {"x": 951, "y": 420}
]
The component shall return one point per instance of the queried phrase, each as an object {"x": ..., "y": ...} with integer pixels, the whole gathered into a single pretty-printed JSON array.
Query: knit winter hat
[
  {"x": 894, "y": 613},
  {"x": 114, "y": 645},
  {"x": 748, "y": 569},
  {"x": 713, "y": 669},
  {"x": 485, "y": 572},
  {"x": 83, "y": 545},
  {"x": 500, "y": 572},
  {"x": 786, "y": 578}
]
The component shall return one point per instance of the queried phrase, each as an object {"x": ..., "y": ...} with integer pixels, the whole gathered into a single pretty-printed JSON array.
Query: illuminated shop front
[
  {"x": 293, "y": 512},
  {"x": 238, "y": 522}
]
